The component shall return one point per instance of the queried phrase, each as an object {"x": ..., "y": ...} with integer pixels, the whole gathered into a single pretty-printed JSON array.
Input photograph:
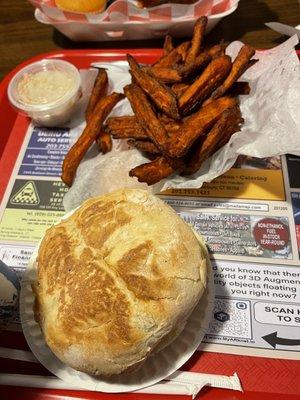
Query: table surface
[{"x": 21, "y": 37}]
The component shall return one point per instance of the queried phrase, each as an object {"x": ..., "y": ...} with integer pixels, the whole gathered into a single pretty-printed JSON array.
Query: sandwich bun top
[
  {"x": 117, "y": 281},
  {"x": 81, "y": 6}
]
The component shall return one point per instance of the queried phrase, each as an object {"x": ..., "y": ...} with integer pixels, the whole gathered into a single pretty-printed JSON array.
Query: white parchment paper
[{"x": 272, "y": 127}]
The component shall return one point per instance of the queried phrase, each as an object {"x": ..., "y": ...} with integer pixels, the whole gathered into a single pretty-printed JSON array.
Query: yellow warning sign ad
[
  {"x": 26, "y": 195},
  {"x": 245, "y": 181},
  {"x": 37, "y": 195}
]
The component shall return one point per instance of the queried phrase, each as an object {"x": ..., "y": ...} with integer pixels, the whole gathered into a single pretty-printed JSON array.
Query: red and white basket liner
[{"x": 127, "y": 10}]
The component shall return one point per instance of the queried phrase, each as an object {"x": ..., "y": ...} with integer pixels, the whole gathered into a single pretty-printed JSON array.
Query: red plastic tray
[{"x": 261, "y": 378}]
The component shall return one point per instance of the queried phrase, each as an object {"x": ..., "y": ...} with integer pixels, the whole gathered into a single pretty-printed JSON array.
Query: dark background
[{"x": 293, "y": 164}]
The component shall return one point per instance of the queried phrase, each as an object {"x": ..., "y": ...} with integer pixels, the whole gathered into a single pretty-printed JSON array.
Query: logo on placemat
[{"x": 26, "y": 195}]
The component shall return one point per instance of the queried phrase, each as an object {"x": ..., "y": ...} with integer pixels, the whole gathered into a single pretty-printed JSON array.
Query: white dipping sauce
[
  {"x": 45, "y": 87},
  {"x": 47, "y": 91}
]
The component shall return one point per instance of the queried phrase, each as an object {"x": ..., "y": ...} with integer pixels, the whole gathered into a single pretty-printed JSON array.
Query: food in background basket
[
  {"x": 117, "y": 281},
  {"x": 154, "y": 3},
  {"x": 81, "y": 6},
  {"x": 185, "y": 109}
]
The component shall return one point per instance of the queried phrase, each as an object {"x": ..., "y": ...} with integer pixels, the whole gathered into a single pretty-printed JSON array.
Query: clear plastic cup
[{"x": 56, "y": 111}]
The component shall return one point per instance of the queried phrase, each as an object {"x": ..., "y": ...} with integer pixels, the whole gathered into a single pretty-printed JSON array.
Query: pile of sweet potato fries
[{"x": 185, "y": 108}]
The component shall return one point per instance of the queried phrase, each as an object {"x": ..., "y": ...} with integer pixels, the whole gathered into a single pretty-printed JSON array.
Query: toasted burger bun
[
  {"x": 117, "y": 281},
  {"x": 82, "y": 6}
]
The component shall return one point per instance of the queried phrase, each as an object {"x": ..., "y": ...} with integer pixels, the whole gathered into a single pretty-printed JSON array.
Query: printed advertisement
[
  {"x": 250, "y": 178},
  {"x": 249, "y": 218},
  {"x": 45, "y": 152},
  {"x": 32, "y": 207},
  {"x": 243, "y": 235},
  {"x": 257, "y": 306}
]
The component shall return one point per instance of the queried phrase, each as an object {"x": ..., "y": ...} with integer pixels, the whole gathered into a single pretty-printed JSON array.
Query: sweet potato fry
[
  {"x": 218, "y": 135},
  {"x": 153, "y": 171},
  {"x": 197, "y": 125},
  {"x": 125, "y": 127},
  {"x": 168, "y": 60},
  {"x": 99, "y": 90},
  {"x": 194, "y": 66},
  {"x": 171, "y": 126},
  {"x": 239, "y": 88},
  {"x": 250, "y": 64},
  {"x": 168, "y": 45},
  {"x": 179, "y": 88},
  {"x": 239, "y": 66},
  {"x": 146, "y": 116},
  {"x": 199, "y": 29},
  {"x": 144, "y": 145},
  {"x": 214, "y": 73},
  {"x": 182, "y": 49},
  {"x": 88, "y": 136},
  {"x": 217, "y": 50},
  {"x": 165, "y": 75},
  {"x": 176, "y": 55},
  {"x": 228, "y": 133},
  {"x": 160, "y": 94},
  {"x": 233, "y": 125},
  {"x": 104, "y": 141}
]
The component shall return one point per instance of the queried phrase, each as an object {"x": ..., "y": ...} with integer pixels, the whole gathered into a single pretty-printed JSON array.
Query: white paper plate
[{"x": 156, "y": 368}]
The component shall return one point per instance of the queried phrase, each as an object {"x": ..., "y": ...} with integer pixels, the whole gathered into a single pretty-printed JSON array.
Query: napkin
[
  {"x": 188, "y": 386},
  {"x": 180, "y": 382}
]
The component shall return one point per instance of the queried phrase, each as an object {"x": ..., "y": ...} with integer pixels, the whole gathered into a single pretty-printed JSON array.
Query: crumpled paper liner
[{"x": 272, "y": 127}]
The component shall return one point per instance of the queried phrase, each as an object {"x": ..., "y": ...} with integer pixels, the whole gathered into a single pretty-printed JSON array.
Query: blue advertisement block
[{"x": 45, "y": 152}]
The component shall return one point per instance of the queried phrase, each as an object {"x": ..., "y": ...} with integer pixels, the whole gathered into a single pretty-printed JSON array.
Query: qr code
[{"x": 231, "y": 318}]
